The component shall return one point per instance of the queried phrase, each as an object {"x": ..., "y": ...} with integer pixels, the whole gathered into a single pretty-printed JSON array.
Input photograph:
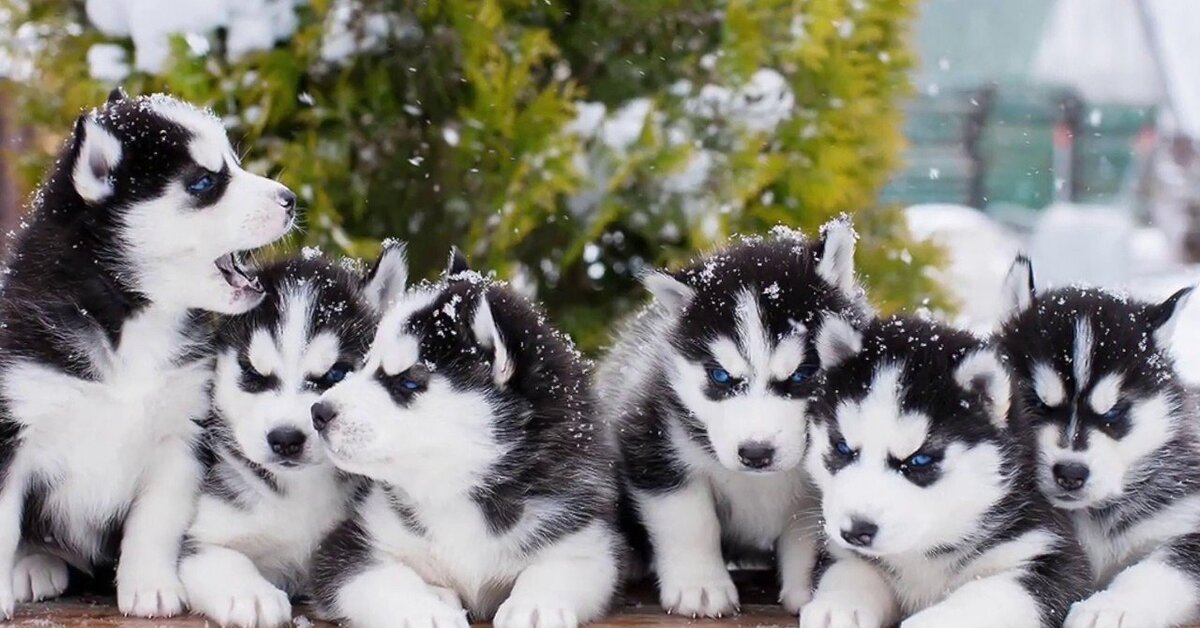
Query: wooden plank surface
[{"x": 637, "y": 609}]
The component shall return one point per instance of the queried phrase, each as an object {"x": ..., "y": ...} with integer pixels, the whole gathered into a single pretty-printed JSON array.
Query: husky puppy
[
  {"x": 103, "y": 359},
  {"x": 1117, "y": 444},
  {"x": 494, "y": 489},
  {"x": 706, "y": 392},
  {"x": 929, "y": 503},
  {"x": 270, "y": 495}
]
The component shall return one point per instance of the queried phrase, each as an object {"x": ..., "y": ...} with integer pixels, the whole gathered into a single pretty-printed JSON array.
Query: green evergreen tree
[{"x": 565, "y": 144}]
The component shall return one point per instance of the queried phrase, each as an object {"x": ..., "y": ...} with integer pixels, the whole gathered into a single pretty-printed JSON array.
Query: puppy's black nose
[
  {"x": 861, "y": 532},
  {"x": 756, "y": 455},
  {"x": 1070, "y": 475},
  {"x": 287, "y": 200},
  {"x": 322, "y": 414},
  {"x": 287, "y": 442}
]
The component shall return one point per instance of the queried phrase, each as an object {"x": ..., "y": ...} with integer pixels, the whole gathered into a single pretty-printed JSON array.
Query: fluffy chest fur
[
  {"x": 921, "y": 581},
  {"x": 277, "y": 528},
  {"x": 1111, "y": 549},
  {"x": 85, "y": 444},
  {"x": 430, "y": 539},
  {"x": 753, "y": 508}
]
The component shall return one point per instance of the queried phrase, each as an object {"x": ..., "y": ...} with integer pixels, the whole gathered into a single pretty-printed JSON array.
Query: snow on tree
[{"x": 569, "y": 145}]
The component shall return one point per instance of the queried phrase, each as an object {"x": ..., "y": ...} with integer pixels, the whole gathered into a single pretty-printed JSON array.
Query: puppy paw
[
  {"x": 448, "y": 597},
  {"x": 941, "y": 617},
  {"x": 836, "y": 613},
  {"x": 794, "y": 598},
  {"x": 146, "y": 592},
  {"x": 8, "y": 601},
  {"x": 431, "y": 613},
  {"x": 517, "y": 613},
  {"x": 38, "y": 577},
  {"x": 699, "y": 595},
  {"x": 1104, "y": 610},
  {"x": 251, "y": 605}
]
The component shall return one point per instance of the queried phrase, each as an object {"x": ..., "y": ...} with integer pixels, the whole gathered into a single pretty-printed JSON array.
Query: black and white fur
[
  {"x": 1117, "y": 440},
  {"x": 929, "y": 504},
  {"x": 710, "y": 462},
  {"x": 270, "y": 494},
  {"x": 103, "y": 354},
  {"x": 494, "y": 489}
]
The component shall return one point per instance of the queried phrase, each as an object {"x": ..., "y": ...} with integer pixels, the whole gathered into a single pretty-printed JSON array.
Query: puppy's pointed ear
[
  {"x": 388, "y": 277},
  {"x": 97, "y": 153},
  {"x": 488, "y": 335},
  {"x": 835, "y": 262},
  {"x": 1018, "y": 285},
  {"x": 457, "y": 263},
  {"x": 667, "y": 290},
  {"x": 1165, "y": 315},
  {"x": 116, "y": 95},
  {"x": 983, "y": 374},
  {"x": 837, "y": 341}
]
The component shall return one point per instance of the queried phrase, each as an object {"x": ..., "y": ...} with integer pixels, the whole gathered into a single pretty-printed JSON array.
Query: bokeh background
[{"x": 570, "y": 144}]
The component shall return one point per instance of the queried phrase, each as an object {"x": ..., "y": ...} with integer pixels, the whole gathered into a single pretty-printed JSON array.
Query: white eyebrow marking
[
  {"x": 789, "y": 354},
  {"x": 1106, "y": 393},
  {"x": 1048, "y": 385},
  {"x": 321, "y": 354},
  {"x": 725, "y": 352},
  {"x": 262, "y": 353}
]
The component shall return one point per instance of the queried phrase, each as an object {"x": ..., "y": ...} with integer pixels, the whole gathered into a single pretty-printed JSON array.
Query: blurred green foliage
[{"x": 462, "y": 129}]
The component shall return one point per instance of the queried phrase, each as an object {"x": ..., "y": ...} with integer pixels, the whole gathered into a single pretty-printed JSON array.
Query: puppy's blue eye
[
  {"x": 843, "y": 449},
  {"x": 410, "y": 385},
  {"x": 802, "y": 373},
  {"x": 336, "y": 374},
  {"x": 1115, "y": 415},
  {"x": 720, "y": 376},
  {"x": 202, "y": 184},
  {"x": 918, "y": 461}
]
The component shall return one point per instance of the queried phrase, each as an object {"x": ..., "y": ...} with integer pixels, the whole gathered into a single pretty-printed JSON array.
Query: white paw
[
  {"x": 837, "y": 613},
  {"x": 144, "y": 592},
  {"x": 515, "y": 613},
  {"x": 1107, "y": 611},
  {"x": 431, "y": 613},
  {"x": 941, "y": 617},
  {"x": 252, "y": 605},
  {"x": 8, "y": 601},
  {"x": 39, "y": 577},
  {"x": 794, "y": 598},
  {"x": 448, "y": 596},
  {"x": 708, "y": 595}
]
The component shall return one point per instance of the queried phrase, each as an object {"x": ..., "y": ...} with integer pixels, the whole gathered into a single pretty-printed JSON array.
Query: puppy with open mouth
[{"x": 138, "y": 229}]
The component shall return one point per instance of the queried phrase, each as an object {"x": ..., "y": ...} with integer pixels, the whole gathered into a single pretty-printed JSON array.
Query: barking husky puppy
[
  {"x": 495, "y": 490},
  {"x": 1117, "y": 444},
  {"x": 270, "y": 494},
  {"x": 706, "y": 392},
  {"x": 927, "y": 496},
  {"x": 105, "y": 365}
]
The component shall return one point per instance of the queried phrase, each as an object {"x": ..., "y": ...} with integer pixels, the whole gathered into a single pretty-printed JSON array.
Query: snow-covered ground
[{"x": 1070, "y": 244}]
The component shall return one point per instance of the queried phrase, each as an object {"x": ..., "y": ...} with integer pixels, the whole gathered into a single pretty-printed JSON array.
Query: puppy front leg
[
  {"x": 12, "y": 498},
  {"x": 1159, "y": 592},
  {"x": 224, "y": 585},
  {"x": 686, "y": 536},
  {"x": 389, "y": 594},
  {"x": 796, "y": 555},
  {"x": 851, "y": 594},
  {"x": 998, "y": 601},
  {"x": 570, "y": 582},
  {"x": 147, "y": 571}
]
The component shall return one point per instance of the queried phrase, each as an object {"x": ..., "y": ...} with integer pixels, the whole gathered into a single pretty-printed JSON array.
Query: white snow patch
[
  {"x": 107, "y": 63},
  {"x": 979, "y": 251}
]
